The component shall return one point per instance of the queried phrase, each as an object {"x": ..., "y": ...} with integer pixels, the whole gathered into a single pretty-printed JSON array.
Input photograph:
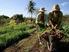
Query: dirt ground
[{"x": 24, "y": 45}]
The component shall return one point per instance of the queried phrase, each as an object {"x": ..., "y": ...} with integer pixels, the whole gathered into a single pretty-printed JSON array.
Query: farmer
[
  {"x": 42, "y": 17},
  {"x": 55, "y": 17}
]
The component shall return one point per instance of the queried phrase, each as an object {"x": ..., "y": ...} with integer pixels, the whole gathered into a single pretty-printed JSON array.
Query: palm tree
[{"x": 31, "y": 8}]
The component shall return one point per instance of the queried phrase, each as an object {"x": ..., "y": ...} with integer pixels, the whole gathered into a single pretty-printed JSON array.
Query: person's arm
[
  {"x": 50, "y": 19},
  {"x": 46, "y": 19},
  {"x": 60, "y": 17},
  {"x": 50, "y": 16},
  {"x": 37, "y": 18}
]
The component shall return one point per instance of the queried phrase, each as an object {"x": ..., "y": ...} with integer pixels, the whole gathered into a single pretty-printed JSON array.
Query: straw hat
[
  {"x": 42, "y": 10},
  {"x": 56, "y": 8}
]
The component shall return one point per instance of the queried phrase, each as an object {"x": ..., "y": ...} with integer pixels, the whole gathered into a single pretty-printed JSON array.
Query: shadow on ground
[{"x": 62, "y": 47}]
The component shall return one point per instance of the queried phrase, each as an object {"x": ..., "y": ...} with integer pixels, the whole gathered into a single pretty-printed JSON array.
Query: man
[
  {"x": 55, "y": 17},
  {"x": 42, "y": 17}
]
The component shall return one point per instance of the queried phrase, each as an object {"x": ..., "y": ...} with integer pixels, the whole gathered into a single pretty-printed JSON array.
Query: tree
[
  {"x": 31, "y": 8},
  {"x": 4, "y": 19},
  {"x": 18, "y": 18}
]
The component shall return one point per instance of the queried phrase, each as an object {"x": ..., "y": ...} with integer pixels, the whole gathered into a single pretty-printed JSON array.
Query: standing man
[
  {"x": 55, "y": 17},
  {"x": 42, "y": 17}
]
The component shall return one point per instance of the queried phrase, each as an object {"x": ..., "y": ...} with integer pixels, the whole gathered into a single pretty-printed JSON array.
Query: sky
[{"x": 12, "y": 7}]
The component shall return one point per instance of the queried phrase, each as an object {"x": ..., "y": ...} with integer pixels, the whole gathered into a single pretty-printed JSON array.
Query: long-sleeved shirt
[{"x": 43, "y": 18}]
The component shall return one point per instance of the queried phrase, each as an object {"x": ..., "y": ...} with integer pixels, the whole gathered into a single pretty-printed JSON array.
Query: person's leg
[{"x": 49, "y": 44}]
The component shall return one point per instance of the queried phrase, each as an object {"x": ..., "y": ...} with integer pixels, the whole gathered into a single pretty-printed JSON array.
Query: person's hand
[
  {"x": 48, "y": 24},
  {"x": 52, "y": 26},
  {"x": 55, "y": 26}
]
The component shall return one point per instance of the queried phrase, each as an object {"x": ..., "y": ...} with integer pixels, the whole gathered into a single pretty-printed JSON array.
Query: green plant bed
[
  {"x": 66, "y": 32},
  {"x": 12, "y": 34},
  {"x": 9, "y": 28},
  {"x": 9, "y": 39}
]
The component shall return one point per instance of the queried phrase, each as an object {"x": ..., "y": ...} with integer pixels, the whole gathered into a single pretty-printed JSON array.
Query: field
[
  {"x": 24, "y": 35},
  {"x": 13, "y": 33}
]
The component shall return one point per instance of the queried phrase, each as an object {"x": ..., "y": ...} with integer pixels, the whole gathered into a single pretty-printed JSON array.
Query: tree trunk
[{"x": 31, "y": 16}]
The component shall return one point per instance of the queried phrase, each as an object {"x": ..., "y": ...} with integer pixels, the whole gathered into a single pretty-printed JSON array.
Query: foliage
[
  {"x": 31, "y": 7},
  {"x": 3, "y": 19},
  {"x": 66, "y": 31},
  {"x": 12, "y": 23},
  {"x": 10, "y": 35},
  {"x": 18, "y": 18}
]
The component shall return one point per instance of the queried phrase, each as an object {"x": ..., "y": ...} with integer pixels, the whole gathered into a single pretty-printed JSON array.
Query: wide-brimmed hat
[
  {"x": 42, "y": 10},
  {"x": 56, "y": 8}
]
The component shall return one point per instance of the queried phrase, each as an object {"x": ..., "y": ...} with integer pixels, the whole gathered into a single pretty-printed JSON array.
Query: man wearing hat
[
  {"x": 55, "y": 17},
  {"x": 42, "y": 17}
]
